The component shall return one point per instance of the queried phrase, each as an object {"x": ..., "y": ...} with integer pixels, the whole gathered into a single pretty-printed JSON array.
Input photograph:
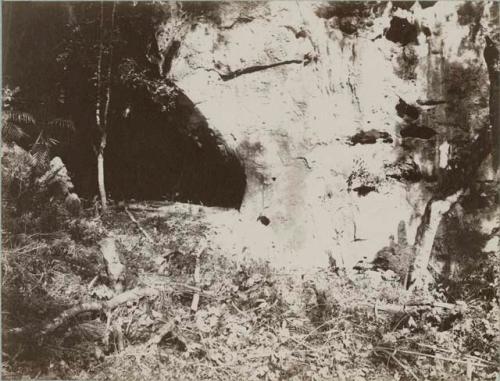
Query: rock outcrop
[{"x": 347, "y": 117}]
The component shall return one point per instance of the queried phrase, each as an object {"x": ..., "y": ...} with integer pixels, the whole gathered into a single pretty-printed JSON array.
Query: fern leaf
[
  {"x": 40, "y": 156},
  {"x": 19, "y": 117},
  {"x": 12, "y": 132},
  {"x": 51, "y": 142},
  {"x": 62, "y": 124}
]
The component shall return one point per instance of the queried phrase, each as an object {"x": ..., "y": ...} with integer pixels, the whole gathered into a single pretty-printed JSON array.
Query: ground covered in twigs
[{"x": 252, "y": 321}]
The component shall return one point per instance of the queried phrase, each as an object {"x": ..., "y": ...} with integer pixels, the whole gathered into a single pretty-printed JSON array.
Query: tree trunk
[
  {"x": 102, "y": 123},
  {"x": 420, "y": 276},
  {"x": 100, "y": 173}
]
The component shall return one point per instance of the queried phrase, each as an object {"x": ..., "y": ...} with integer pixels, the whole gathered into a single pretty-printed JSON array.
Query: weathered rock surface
[{"x": 345, "y": 117}]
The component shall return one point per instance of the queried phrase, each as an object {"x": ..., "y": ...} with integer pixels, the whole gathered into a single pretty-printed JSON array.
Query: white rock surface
[{"x": 290, "y": 123}]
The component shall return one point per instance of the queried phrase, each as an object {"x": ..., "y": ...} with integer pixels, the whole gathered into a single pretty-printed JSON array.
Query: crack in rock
[
  {"x": 239, "y": 20},
  {"x": 253, "y": 69},
  {"x": 304, "y": 160}
]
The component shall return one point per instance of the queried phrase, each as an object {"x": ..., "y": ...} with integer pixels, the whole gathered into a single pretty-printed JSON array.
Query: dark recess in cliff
[
  {"x": 171, "y": 155},
  {"x": 363, "y": 190},
  {"x": 414, "y": 131},
  {"x": 370, "y": 137},
  {"x": 405, "y": 110},
  {"x": 402, "y": 31}
]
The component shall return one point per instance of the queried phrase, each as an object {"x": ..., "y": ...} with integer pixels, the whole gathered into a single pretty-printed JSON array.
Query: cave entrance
[{"x": 155, "y": 154}]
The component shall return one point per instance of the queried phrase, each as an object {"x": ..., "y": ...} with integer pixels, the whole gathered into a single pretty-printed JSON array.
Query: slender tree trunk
[
  {"x": 100, "y": 173},
  {"x": 98, "y": 119},
  {"x": 103, "y": 120}
]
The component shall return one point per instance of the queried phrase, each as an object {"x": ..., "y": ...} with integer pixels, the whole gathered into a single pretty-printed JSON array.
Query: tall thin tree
[{"x": 103, "y": 99}]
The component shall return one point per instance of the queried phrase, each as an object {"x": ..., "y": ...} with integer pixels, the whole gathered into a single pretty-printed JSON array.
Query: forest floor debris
[{"x": 205, "y": 316}]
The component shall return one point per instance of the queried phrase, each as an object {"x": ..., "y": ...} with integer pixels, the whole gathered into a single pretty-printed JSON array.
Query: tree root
[{"x": 65, "y": 316}]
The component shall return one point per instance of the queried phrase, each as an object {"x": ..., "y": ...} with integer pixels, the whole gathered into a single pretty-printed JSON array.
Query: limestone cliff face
[{"x": 345, "y": 116}]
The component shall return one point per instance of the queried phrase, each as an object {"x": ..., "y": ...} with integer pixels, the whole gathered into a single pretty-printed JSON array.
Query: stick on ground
[{"x": 144, "y": 232}]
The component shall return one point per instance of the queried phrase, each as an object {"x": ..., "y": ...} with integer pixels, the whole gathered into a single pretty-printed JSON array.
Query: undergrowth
[{"x": 252, "y": 322}]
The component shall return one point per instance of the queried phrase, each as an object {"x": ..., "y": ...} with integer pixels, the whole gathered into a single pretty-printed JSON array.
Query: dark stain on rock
[
  {"x": 370, "y": 137},
  {"x": 469, "y": 12},
  {"x": 264, "y": 220},
  {"x": 405, "y": 170},
  {"x": 426, "y": 31},
  {"x": 299, "y": 33},
  {"x": 402, "y": 31},
  {"x": 421, "y": 132},
  {"x": 348, "y": 25},
  {"x": 427, "y": 4},
  {"x": 403, "y": 4},
  {"x": 363, "y": 190},
  {"x": 405, "y": 110}
]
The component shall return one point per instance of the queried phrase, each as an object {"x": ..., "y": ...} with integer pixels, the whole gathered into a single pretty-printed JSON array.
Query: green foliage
[
  {"x": 162, "y": 91},
  {"x": 18, "y": 125}
]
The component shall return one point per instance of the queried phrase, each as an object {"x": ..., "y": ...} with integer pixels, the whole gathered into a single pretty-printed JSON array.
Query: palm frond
[
  {"x": 18, "y": 117},
  {"x": 62, "y": 124}
]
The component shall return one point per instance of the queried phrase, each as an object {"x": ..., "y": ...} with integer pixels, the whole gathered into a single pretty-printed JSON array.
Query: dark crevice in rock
[
  {"x": 169, "y": 56},
  {"x": 301, "y": 33},
  {"x": 253, "y": 69},
  {"x": 426, "y": 31},
  {"x": 431, "y": 102},
  {"x": 264, "y": 220},
  {"x": 421, "y": 132},
  {"x": 405, "y": 110},
  {"x": 239, "y": 20},
  {"x": 370, "y": 137},
  {"x": 363, "y": 190},
  {"x": 402, "y": 31}
]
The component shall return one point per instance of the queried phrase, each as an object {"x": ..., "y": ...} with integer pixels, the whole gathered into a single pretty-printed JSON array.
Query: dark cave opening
[
  {"x": 153, "y": 152},
  {"x": 157, "y": 154},
  {"x": 171, "y": 155}
]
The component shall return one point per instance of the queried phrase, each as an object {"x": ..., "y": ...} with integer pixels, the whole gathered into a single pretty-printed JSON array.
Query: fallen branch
[
  {"x": 65, "y": 316},
  {"x": 407, "y": 369},
  {"x": 481, "y": 363},
  {"x": 115, "y": 263},
  {"x": 196, "y": 296},
  {"x": 165, "y": 330},
  {"x": 414, "y": 307},
  {"x": 144, "y": 232}
]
